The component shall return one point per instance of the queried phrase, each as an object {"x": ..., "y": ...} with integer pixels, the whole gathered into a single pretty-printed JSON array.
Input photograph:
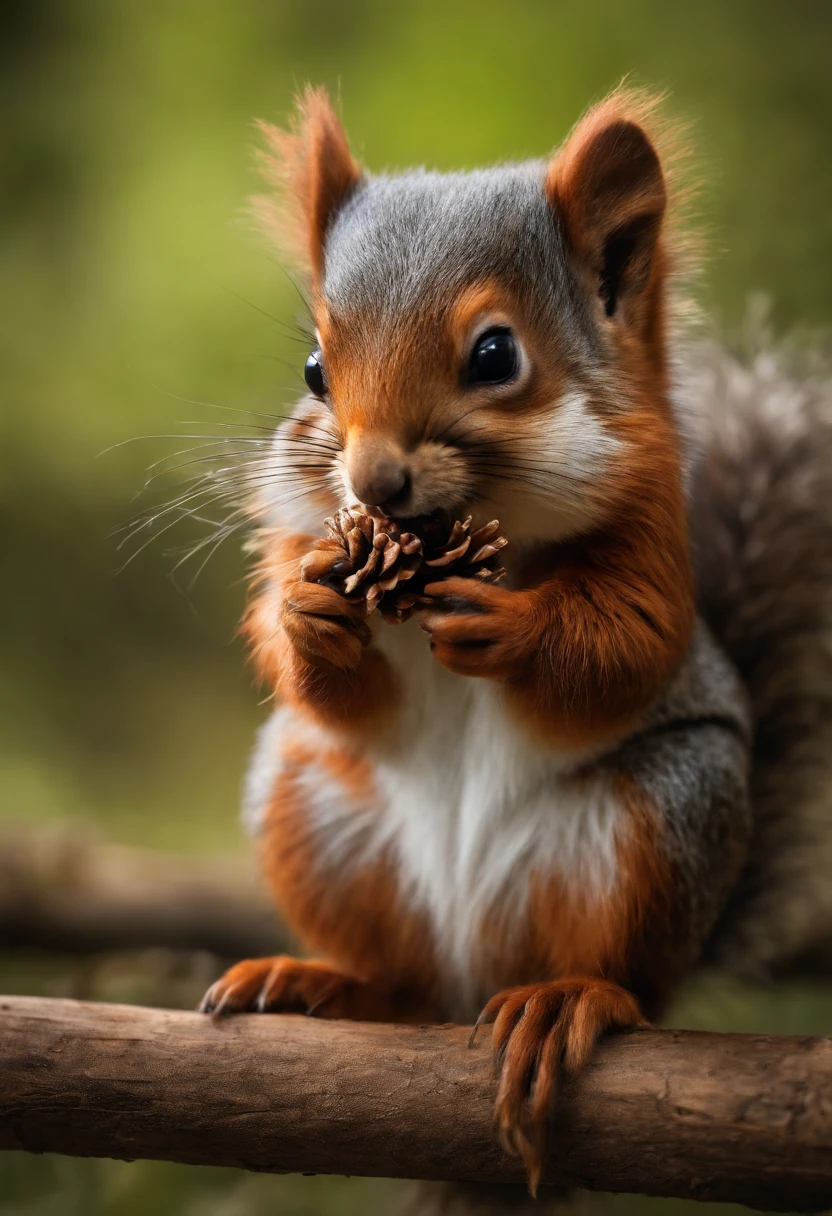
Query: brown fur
[
  {"x": 598, "y": 953},
  {"x": 311, "y": 171},
  {"x": 310, "y": 646},
  {"x": 336, "y": 909},
  {"x": 594, "y": 629}
]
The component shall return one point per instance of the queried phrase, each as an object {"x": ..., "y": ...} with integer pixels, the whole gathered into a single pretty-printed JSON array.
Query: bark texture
[{"x": 741, "y": 1118}]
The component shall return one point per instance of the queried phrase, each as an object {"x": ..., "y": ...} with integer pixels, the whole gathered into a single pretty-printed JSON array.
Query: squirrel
[{"x": 537, "y": 804}]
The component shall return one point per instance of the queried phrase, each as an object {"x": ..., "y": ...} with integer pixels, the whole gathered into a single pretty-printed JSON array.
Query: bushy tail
[{"x": 762, "y": 534}]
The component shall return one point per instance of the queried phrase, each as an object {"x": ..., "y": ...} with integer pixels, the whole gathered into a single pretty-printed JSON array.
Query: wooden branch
[
  {"x": 740, "y": 1118},
  {"x": 62, "y": 891}
]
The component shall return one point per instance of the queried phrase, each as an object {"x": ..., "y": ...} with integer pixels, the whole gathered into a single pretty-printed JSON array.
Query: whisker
[
  {"x": 275, "y": 320},
  {"x": 313, "y": 426},
  {"x": 232, "y": 473},
  {"x": 560, "y": 470},
  {"x": 218, "y": 490},
  {"x": 188, "y": 464},
  {"x": 249, "y": 426},
  {"x": 231, "y": 409},
  {"x": 189, "y": 513},
  {"x": 226, "y": 489},
  {"x": 455, "y": 422},
  {"x": 528, "y": 480}
]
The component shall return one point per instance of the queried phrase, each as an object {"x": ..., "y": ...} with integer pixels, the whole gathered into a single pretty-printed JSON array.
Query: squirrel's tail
[{"x": 761, "y": 524}]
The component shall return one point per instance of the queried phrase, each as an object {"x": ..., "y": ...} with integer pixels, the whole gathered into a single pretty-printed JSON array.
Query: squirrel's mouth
[
  {"x": 440, "y": 518},
  {"x": 434, "y": 523}
]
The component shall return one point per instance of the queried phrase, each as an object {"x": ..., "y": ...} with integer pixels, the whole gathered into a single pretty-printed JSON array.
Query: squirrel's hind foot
[{"x": 541, "y": 1032}]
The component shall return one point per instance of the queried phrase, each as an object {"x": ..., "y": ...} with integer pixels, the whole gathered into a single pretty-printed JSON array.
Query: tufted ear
[
  {"x": 608, "y": 188},
  {"x": 311, "y": 170}
]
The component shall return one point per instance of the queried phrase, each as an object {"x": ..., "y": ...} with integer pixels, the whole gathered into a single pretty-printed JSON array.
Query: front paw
[
  {"x": 540, "y": 1031},
  {"x": 280, "y": 985},
  {"x": 478, "y": 629},
  {"x": 323, "y": 627}
]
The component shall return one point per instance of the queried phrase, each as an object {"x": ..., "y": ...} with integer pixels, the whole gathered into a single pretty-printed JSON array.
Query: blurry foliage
[
  {"x": 130, "y": 289},
  {"x": 131, "y": 286}
]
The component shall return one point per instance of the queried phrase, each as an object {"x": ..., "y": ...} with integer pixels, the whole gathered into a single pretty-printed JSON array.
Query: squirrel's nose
[{"x": 378, "y": 481}]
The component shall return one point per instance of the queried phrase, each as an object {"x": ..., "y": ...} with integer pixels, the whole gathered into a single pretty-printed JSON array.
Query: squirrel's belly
[
  {"x": 486, "y": 824},
  {"x": 483, "y": 831}
]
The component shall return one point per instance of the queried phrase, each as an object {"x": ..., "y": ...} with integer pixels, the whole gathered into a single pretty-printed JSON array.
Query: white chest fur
[{"x": 473, "y": 807}]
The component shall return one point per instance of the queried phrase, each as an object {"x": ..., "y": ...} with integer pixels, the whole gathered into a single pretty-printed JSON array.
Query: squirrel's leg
[
  {"x": 310, "y": 644},
  {"x": 682, "y": 798},
  {"x": 337, "y": 887},
  {"x": 541, "y": 1032},
  {"x": 282, "y": 984},
  {"x": 587, "y": 638}
]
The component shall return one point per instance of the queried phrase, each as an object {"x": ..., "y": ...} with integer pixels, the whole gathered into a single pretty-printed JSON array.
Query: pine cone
[{"x": 386, "y": 568}]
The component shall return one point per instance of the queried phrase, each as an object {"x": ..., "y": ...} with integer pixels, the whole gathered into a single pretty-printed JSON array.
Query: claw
[
  {"x": 327, "y": 994},
  {"x": 540, "y": 1031},
  {"x": 206, "y": 1005},
  {"x": 481, "y": 1021},
  {"x": 223, "y": 1009},
  {"x": 280, "y": 984}
]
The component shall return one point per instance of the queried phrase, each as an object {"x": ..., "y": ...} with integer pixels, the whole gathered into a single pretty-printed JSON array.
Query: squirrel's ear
[
  {"x": 311, "y": 170},
  {"x": 607, "y": 187}
]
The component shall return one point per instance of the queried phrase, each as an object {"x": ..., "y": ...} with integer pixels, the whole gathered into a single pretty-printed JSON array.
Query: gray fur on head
[{"x": 401, "y": 243}]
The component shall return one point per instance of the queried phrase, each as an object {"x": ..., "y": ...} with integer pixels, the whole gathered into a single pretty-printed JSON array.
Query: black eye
[
  {"x": 313, "y": 373},
  {"x": 494, "y": 359}
]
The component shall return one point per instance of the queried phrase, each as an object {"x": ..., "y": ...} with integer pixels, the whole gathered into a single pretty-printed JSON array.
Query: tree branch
[
  {"x": 62, "y": 891},
  {"x": 740, "y": 1118}
]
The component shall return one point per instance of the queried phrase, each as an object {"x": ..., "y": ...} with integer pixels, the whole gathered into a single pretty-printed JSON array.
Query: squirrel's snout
[
  {"x": 378, "y": 475},
  {"x": 381, "y": 485},
  {"x": 405, "y": 482}
]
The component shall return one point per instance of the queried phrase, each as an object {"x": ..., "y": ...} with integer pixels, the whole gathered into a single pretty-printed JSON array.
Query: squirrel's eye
[
  {"x": 313, "y": 373},
  {"x": 494, "y": 359}
]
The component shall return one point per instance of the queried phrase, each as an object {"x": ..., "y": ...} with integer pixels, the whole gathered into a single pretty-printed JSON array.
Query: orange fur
[
  {"x": 311, "y": 171},
  {"x": 350, "y": 909},
  {"x": 570, "y": 930},
  {"x": 624, "y": 160},
  {"x": 600, "y": 952},
  {"x": 347, "y": 909},
  {"x": 310, "y": 646},
  {"x": 595, "y": 629},
  {"x": 487, "y": 299},
  {"x": 281, "y": 984}
]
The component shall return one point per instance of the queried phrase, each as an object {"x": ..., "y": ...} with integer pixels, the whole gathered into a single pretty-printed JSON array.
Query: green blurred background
[{"x": 131, "y": 287}]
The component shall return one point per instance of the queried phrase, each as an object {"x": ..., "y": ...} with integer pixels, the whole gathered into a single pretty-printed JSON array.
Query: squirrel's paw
[
  {"x": 542, "y": 1031},
  {"x": 280, "y": 985},
  {"x": 324, "y": 627},
  {"x": 478, "y": 629}
]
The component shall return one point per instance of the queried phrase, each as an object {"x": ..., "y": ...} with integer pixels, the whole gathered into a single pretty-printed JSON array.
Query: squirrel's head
[{"x": 490, "y": 342}]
